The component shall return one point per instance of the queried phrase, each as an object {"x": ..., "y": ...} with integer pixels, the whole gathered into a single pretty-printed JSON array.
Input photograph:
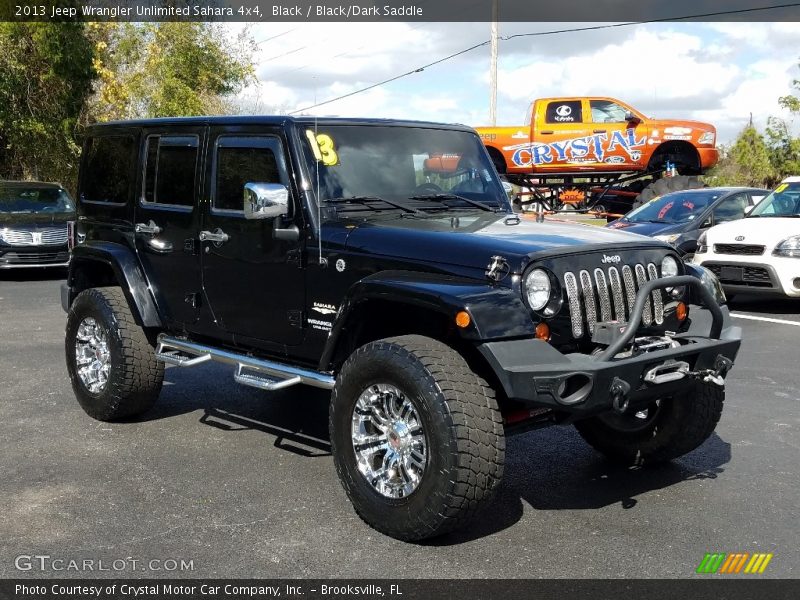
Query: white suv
[{"x": 760, "y": 253}]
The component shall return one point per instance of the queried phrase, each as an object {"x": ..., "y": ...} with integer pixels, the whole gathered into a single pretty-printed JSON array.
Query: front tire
[
  {"x": 111, "y": 364},
  {"x": 417, "y": 437},
  {"x": 666, "y": 429}
]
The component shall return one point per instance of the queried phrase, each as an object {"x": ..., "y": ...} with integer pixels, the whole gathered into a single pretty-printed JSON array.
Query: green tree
[
  {"x": 46, "y": 76},
  {"x": 746, "y": 162},
  {"x": 791, "y": 102},
  {"x": 168, "y": 69},
  {"x": 784, "y": 149}
]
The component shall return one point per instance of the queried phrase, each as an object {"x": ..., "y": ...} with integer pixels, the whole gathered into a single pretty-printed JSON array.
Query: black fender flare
[
  {"x": 495, "y": 311},
  {"x": 129, "y": 276}
]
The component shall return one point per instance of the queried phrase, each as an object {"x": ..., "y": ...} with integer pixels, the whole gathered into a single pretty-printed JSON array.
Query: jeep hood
[{"x": 470, "y": 241}]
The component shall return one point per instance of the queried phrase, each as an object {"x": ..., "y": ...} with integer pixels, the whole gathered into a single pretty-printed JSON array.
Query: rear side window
[
  {"x": 564, "y": 112},
  {"x": 108, "y": 169},
  {"x": 170, "y": 170},
  {"x": 241, "y": 161}
]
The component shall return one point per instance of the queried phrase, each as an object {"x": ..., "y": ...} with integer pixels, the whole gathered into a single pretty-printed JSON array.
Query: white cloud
[{"x": 714, "y": 72}]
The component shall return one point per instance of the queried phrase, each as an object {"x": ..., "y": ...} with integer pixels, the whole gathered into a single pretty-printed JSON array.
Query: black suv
[
  {"x": 33, "y": 224},
  {"x": 381, "y": 260}
]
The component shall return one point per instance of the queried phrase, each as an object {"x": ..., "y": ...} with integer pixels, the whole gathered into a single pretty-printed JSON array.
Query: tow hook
[
  {"x": 620, "y": 391},
  {"x": 716, "y": 375}
]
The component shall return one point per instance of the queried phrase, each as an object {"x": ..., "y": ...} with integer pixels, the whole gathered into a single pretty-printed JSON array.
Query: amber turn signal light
[
  {"x": 463, "y": 319},
  {"x": 681, "y": 311},
  {"x": 543, "y": 331}
]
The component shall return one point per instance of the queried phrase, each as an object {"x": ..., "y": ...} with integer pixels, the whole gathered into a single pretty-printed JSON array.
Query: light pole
[{"x": 493, "y": 67}]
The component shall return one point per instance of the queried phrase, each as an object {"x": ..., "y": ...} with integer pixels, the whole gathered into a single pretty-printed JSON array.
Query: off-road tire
[
  {"x": 463, "y": 427},
  {"x": 665, "y": 185},
  {"x": 681, "y": 425},
  {"x": 135, "y": 376}
]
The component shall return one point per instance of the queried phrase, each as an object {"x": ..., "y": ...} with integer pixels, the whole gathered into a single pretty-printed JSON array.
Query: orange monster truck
[{"x": 596, "y": 152}]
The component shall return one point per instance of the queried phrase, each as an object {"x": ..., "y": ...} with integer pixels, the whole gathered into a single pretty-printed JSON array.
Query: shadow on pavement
[{"x": 549, "y": 469}]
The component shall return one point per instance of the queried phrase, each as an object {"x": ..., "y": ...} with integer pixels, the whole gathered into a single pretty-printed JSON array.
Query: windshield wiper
[
  {"x": 368, "y": 200},
  {"x": 475, "y": 203}
]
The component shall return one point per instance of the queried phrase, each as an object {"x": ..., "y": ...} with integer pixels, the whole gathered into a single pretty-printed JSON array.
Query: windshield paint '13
[{"x": 399, "y": 163}]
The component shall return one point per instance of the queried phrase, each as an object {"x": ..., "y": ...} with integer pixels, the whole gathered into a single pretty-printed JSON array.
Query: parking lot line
[{"x": 767, "y": 319}]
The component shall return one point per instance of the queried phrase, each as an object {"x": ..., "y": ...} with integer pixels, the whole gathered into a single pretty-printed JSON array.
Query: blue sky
[{"x": 715, "y": 72}]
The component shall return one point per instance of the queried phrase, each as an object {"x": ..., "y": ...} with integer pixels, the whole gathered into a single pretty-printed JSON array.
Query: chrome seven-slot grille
[
  {"x": 610, "y": 295},
  {"x": 50, "y": 236}
]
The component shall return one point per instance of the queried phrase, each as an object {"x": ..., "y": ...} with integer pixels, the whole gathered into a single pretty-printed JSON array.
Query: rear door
[
  {"x": 561, "y": 136},
  {"x": 253, "y": 282},
  {"x": 167, "y": 220}
]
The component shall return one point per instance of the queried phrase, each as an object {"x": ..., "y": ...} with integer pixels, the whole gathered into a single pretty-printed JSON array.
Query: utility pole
[{"x": 493, "y": 67}]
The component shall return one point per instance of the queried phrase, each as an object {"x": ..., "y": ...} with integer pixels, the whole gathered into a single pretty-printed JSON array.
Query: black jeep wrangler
[{"x": 382, "y": 260}]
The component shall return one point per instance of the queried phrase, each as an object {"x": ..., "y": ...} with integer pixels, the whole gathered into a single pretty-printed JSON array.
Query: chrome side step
[{"x": 255, "y": 372}]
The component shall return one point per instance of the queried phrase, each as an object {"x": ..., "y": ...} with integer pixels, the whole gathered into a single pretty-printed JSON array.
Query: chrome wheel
[
  {"x": 388, "y": 440},
  {"x": 92, "y": 356}
]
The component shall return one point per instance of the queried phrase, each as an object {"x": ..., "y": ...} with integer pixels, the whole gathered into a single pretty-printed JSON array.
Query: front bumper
[
  {"x": 753, "y": 275},
  {"x": 535, "y": 373},
  {"x": 27, "y": 257}
]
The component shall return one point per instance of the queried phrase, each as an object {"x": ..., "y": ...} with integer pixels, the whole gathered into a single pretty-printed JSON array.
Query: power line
[{"x": 543, "y": 33}]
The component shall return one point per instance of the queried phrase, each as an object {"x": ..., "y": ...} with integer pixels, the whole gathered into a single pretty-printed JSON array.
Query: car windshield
[
  {"x": 678, "y": 207},
  {"x": 783, "y": 201},
  {"x": 409, "y": 167},
  {"x": 33, "y": 199}
]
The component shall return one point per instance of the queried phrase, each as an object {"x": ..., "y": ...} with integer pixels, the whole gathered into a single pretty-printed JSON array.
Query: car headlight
[
  {"x": 670, "y": 239},
  {"x": 538, "y": 288},
  {"x": 706, "y": 139},
  {"x": 669, "y": 267},
  {"x": 702, "y": 244},
  {"x": 788, "y": 248}
]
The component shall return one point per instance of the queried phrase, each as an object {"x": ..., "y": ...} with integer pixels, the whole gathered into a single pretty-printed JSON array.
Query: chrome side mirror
[{"x": 265, "y": 200}]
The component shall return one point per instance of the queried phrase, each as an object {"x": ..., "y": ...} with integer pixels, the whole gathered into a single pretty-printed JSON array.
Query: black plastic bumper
[{"x": 535, "y": 373}]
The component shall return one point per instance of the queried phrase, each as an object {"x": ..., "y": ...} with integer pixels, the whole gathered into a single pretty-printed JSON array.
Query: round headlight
[
  {"x": 669, "y": 267},
  {"x": 537, "y": 288}
]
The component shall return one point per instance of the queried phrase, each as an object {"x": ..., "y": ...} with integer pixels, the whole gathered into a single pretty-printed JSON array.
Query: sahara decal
[
  {"x": 577, "y": 150},
  {"x": 322, "y": 308}
]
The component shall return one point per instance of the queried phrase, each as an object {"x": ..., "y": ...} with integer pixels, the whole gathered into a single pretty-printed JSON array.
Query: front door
[
  {"x": 167, "y": 220},
  {"x": 253, "y": 282},
  {"x": 623, "y": 141}
]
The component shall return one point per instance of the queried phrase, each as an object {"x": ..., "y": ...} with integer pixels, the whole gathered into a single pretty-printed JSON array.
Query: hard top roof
[{"x": 274, "y": 120}]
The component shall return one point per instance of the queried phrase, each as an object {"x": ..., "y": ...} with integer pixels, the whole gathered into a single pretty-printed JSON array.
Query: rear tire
[
  {"x": 110, "y": 362},
  {"x": 665, "y": 185},
  {"x": 456, "y": 444},
  {"x": 677, "y": 426}
]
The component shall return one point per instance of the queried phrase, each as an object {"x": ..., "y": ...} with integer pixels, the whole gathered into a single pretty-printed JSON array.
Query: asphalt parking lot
[{"x": 242, "y": 484}]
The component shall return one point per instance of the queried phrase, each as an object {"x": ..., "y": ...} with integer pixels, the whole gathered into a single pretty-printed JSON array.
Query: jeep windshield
[
  {"x": 783, "y": 201},
  {"x": 23, "y": 199},
  {"x": 412, "y": 169}
]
